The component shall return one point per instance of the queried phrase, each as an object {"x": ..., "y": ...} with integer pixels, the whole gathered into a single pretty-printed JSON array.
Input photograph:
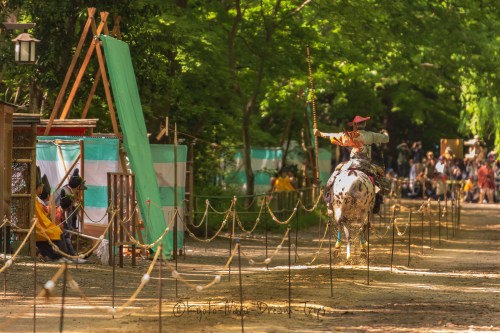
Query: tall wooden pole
[{"x": 313, "y": 103}]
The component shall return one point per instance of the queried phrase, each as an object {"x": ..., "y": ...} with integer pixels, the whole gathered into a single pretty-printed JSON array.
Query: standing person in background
[
  {"x": 429, "y": 171},
  {"x": 416, "y": 150},
  {"x": 403, "y": 154},
  {"x": 486, "y": 182}
]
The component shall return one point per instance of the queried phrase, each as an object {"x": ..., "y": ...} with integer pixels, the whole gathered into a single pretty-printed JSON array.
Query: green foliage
[{"x": 422, "y": 69}]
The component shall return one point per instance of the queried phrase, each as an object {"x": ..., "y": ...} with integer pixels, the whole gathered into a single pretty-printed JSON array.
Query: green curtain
[{"x": 128, "y": 105}]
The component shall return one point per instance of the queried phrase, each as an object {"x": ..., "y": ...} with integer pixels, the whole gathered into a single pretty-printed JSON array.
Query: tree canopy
[{"x": 234, "y": 73}]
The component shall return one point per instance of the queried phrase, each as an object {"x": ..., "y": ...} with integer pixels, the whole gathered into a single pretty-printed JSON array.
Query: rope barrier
[
  {"x": 178, "y": 276},
  {"x": 267, "y": 261},
  {"x": 10, "y": 261},
  {"x": 310, "y": 210},
  {"x": 81, "y": 255},
  {"x": 148, "y": 246}
]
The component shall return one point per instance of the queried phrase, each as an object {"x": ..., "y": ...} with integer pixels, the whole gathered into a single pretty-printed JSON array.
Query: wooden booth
[{"x": 17, "y": 170}]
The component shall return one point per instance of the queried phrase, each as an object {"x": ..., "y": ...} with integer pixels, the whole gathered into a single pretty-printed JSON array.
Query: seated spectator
[
  {"x": 282, "y": 183},
  {"x": 46, "y": 229},
  {"x": 64, "y": 243},
  {"x": 471, "y": 190}
]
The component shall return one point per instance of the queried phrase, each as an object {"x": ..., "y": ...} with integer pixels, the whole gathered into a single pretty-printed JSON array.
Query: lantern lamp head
[{"x": 25, "y": 48}]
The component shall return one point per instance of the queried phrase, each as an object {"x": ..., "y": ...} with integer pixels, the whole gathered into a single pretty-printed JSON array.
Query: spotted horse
[{"x": 351, "y": 198}]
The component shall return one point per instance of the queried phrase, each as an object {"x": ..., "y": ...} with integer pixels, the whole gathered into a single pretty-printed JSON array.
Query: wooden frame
[{"x": 95, "y": 45}]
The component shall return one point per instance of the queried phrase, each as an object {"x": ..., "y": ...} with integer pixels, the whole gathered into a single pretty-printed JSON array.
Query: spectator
[
  {"x": 440, "y": 186},
  {"x": 282, "y": 183},
  {"x": 470, "y": 190},
  {"x": 45, "y": 228},
  {"x": 416, "y": 149},
  {"x": 73, "y": 189},
  {"x": 402, "y": 160},
  {"x": 486, "y": 182},
  {"x": 413, "y": 177}
]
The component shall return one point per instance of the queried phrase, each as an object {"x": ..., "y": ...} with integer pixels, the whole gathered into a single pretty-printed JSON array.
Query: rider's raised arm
[
  {"x": 377, "y": 138},
  {"x": 330, "y": 136}
]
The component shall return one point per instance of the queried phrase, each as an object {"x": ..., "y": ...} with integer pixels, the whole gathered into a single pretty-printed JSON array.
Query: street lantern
[{"x": 25, "y": 48}]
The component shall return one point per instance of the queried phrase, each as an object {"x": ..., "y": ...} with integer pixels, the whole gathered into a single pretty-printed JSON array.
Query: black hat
[
  {"x": 38, "y": 176},
  {"x": 75, "y": 180},
  {"x": 66, "y": 201},
  {"x": 46, "y": 188}
]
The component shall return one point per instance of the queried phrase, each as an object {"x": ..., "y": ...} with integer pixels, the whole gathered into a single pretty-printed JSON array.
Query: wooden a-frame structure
[{"x": 95, "y": 46}]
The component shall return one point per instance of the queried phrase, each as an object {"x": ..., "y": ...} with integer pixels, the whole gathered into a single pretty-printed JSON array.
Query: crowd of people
[
  {"x": 416, "y": 173},
  {"x": 427, "y": 176}
]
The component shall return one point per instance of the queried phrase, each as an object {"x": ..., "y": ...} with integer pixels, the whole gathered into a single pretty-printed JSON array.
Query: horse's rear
[{"x": 353, "y": 197}]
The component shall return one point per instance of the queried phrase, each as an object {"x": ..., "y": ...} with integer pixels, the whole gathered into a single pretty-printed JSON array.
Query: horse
[{"x": 352, "y": 197}]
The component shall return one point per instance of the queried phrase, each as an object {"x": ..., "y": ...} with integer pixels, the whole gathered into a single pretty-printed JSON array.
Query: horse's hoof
[
  {"x": 363, "y": 254},
  {"x": 336, "y": 253}
]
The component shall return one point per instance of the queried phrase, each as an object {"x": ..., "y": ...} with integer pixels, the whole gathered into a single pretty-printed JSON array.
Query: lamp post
[{"x": 25, "y": 53}]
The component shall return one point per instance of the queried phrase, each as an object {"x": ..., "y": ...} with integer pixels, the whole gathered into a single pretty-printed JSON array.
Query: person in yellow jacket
[
  {"x": 282, "y": 183},
  {"x": 45, "y": 228}
]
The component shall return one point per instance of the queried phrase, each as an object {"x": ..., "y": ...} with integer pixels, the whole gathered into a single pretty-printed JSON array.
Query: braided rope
[
  {"x": 287, "y": 221},
  {"x": 257, "y": 220},
  {"x": 9, "y": 262},
  {"x": 316, "y": 255},
  {"x": 48, "y": 287},
  {"x": 178, "y": 276},
  {"x": 150, "y": 245},
  {"x": 208, "y": 240},
  {"x": 269, "y": 258},
  {"x": 81, "y": 255},
  {"x": 315, "y": 205},
  {"x": 144, "y": 281}
]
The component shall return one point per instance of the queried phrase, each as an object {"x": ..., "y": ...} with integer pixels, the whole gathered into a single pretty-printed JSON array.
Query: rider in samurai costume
[{"x": 361, "y": 142}]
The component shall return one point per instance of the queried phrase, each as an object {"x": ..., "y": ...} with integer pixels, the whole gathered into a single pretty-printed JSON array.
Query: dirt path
[{"x": 453, "y": 286}]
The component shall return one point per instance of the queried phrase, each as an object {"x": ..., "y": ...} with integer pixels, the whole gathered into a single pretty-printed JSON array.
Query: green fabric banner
[{"x": 128, "y": 105}]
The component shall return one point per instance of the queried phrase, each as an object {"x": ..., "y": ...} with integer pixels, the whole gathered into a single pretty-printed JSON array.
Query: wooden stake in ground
[
  {"x": 289, "y": 274},
  {"x": 330, "y": 256},
  {"x": 393, "y": 227},
  {"x": 409, "y": 239},
  {"x": 241, "y": 287}
]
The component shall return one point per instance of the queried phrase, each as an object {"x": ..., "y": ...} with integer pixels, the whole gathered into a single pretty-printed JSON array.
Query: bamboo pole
[{"x": 313, "y": 103}]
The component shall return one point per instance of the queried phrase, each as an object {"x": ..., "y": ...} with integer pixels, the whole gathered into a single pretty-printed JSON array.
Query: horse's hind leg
[{"x": 348, "y": 246}]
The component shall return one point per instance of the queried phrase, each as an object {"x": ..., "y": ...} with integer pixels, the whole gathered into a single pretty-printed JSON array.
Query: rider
[{"x": 361, "y": 159}]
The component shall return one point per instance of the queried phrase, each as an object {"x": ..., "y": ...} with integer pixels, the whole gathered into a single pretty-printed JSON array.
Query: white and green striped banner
[
  {"x": 266, "y": 161},
  {"x": 100, "y": 157},
  {"x": 163, "y": 162}
]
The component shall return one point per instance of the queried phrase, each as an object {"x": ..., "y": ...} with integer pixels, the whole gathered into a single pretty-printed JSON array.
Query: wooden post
[
  {"x": 85, "y": 63},
  {"x": 114, "y": 32},
  {"x": 91, "y": 12}
]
